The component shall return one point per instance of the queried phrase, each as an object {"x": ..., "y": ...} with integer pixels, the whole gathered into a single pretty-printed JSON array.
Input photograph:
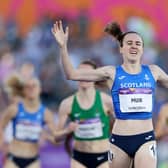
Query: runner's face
[
  {"x": 83, "y": 84},
  {"x": 132, "y": 49},
  {"x": 32, "y": 89}
]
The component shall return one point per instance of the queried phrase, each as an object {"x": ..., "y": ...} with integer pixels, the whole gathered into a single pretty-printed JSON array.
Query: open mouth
[{"x": 133, "y": 51}]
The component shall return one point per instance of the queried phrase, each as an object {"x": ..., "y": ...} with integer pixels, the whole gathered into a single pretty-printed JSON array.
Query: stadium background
[{"x": 25, "y": 37}]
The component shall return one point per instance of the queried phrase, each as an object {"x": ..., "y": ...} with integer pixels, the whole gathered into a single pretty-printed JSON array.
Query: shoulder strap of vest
[
  {"x": 20, "y": 107},
  {"x": 147, "y": 70},
  {"x": 146, "y": 67},
  {"x": 98, "y": 102},
  {"x": 74, "y": 106}
]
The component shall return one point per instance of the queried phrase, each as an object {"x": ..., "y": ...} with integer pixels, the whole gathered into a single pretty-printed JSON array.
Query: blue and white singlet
[
  {"x": 28, "y": 126},
  {"x": 133, "y": 94}
]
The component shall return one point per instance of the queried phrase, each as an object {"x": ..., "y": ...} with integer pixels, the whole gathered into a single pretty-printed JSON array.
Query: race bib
[
  {"x": 28, "y": 131},
  {"x": 90, "y": 128},
  {"x": 135, "y": 100}
]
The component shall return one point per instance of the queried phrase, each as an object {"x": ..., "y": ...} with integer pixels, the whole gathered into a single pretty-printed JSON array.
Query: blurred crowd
[{"x": 37, "y": 51}]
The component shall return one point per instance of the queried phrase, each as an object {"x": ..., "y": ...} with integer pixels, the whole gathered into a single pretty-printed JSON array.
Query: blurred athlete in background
[
  {"x": 28, "y": 116},
  {"x": 92, "y": 111}
]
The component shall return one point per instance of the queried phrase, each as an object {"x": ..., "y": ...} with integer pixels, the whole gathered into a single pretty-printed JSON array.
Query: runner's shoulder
[{"x": 67, "y": 102}]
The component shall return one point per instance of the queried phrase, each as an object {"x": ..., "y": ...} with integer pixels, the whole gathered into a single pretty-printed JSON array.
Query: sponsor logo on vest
[
  {"x": 22, "y": 114},
  {"x": 146, "y": 77},
  {"x": 121, "y": 77},
  {"x": 39, "y": 116},
  {"x": 97, "y": 114},
  {"x": 77, "y": 114}
]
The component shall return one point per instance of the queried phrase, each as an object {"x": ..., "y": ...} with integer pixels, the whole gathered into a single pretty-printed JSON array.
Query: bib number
[
  {"x": 30, "y": 132},
  {"x": 153, "y": 150},
  {"x": 135, "y": 101},
  {"x": 91, "y": 128}
]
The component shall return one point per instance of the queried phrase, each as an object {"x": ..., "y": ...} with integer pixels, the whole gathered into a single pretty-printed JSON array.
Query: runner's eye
[
  {"x": 129, "y": 42},
  {"x": 138, "y": 43}
]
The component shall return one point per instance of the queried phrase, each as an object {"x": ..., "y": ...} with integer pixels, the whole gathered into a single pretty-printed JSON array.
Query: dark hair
[
  {"x": 114, "y": 30},
  {"x": 89, "y": 62}
]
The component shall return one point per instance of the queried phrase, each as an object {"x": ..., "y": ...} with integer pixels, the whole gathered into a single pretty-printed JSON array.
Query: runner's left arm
[
  {"x": 49, "y": 120},
  {"x": 107, "y": 100},
  {"x": 160, "y": 75},
  {"x": 161, "y": 129}
]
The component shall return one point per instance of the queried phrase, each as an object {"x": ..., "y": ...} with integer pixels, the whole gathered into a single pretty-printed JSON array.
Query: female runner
[
  {"x": 132, "y": 88},
  {"x": 92, "y": 111},
  {"x": 28, "y": 116}
]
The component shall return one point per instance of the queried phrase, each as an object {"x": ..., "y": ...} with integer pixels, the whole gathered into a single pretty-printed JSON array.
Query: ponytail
[
  {"x": 14, "y": 85},
  {"x": 114, "y": 29}
]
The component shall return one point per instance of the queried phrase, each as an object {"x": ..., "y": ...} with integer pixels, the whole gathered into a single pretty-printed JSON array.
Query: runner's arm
[
  {"x": 109, "y": 106},
  {"x": 160, "y": 75},
  {"x": 49, "y": 120},
  {"x": 161, "y": 124},
  {"x": 7, "y": 115},
  {"x": 72, "y": 73}
]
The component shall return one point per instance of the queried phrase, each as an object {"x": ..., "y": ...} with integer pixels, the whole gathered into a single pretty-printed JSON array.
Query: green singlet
[{"x": 94, "y": 124}]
